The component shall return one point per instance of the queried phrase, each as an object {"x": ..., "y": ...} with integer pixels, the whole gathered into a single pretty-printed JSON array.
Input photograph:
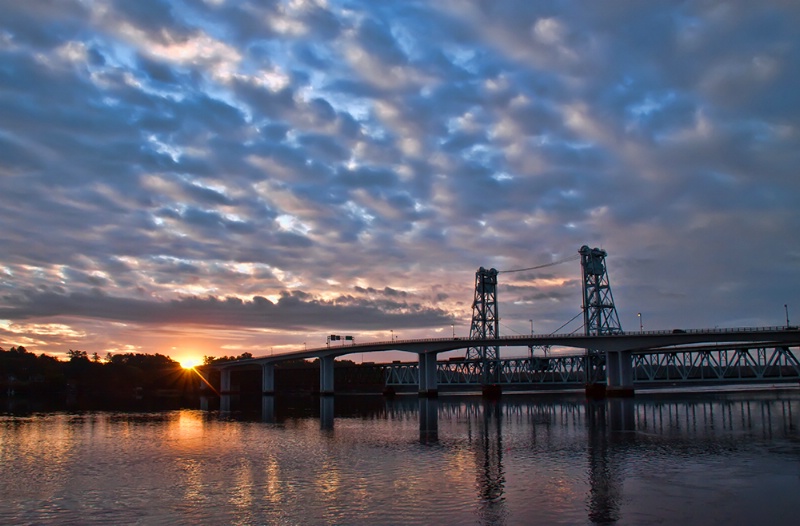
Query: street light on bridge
[{"x": 640, "y": 321}]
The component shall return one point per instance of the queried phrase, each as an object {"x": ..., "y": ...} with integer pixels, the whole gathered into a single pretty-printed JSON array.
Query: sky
[{"x": 214, "y": 177}]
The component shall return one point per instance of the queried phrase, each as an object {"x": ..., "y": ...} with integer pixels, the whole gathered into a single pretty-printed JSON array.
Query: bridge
[
  {"x": 625, "y": 356},
  {"x": 610, "y": 361}
]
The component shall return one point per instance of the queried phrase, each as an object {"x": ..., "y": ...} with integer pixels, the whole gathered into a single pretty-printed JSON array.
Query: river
[{"x": 665, "y": 458}]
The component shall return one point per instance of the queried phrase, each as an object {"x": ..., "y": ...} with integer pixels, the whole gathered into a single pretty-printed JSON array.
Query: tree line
[{"x": 117, "y": 378}]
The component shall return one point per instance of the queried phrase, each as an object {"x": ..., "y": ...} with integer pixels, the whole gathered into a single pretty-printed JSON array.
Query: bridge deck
[{"x": 637, "y": 342}]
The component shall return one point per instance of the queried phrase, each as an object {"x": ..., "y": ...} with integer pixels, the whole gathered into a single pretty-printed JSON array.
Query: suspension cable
[
  {"x": 570, "y": 321},
  {"x": 571, "y": 258},
  {"x": 577, "y": 329},
  {"x": 512, "y": 329},
  {"x": 551, "y": 264}
]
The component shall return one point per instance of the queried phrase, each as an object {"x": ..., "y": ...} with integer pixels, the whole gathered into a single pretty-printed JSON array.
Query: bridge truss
[
  {"x": 486, "y": 321},
  {"x": 482, "y": 365},
  {"x": 599, "y": 313},
  {"x": 485, "y": 324},
  {"x": 599, "y": 318},
  {"x": 681, "y": 366},
  {"x": 726, "y": 365}
]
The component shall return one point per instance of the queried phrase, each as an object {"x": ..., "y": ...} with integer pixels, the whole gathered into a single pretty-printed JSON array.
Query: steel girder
[
  {"x": 564, "y": 370},
  {"x": 766, "y": 363},
  {"x": 402, "y": 374},
  {"x": 758, "y": 363}
]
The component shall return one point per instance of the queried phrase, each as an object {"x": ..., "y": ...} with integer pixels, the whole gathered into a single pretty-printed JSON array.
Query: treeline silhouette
[
  {"x": 298, "y": 363},
  {"x": 117, "y": 379}
]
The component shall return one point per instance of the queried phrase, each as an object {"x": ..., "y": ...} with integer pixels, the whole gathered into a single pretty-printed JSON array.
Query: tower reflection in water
[
  {"x": 610, "y": 423},
  {"x": 553, "y": 450},
  {"x": 485, "y": 435},
  {"x": 491, "y": 478}
]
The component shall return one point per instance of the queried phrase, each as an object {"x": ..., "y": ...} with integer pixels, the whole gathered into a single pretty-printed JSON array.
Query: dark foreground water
[{"x": 658, "y": 459}]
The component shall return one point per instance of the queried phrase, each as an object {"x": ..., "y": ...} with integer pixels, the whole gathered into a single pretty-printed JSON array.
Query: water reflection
[
  {"x": 603, "y": 470},
  {"x": 428, "y": 420},
  {"x": 268, "y": 409},
  {"x": 491, "y": 478},
  {"x": 520, "y": 460},
  {"x": 621, "y": 414},
  {"x": 226, "y": 401},
  {"x": 326, "y": 412}
]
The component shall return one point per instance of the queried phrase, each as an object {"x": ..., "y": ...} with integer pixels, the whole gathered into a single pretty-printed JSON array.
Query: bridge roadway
[{"x": 618, "y": 348}]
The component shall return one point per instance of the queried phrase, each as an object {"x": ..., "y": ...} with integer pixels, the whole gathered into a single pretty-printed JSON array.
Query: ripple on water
[{"x": 509, "y": 463}]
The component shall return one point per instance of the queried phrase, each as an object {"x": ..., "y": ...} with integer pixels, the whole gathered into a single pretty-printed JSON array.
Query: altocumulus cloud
[
  {"x": 296, "y": 312},
  {"x": 285, "y": 169}
]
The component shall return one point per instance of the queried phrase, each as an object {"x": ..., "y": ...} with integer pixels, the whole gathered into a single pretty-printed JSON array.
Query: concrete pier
[
  {"x": 428, "y": 384},
  {"x": 225, "y": 382},
  {"x": 326, "y": 375},
  {"x": 268, "y": 378},
  {"x": 491, "y": 391},
  {"x": 619, "y": 374}
]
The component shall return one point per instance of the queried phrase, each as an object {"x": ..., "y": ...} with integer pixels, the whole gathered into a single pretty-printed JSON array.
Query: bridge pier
[
  {"x": 225, "y": 382},
  {"x": 619, "y": 374},
  {"x": 326, "y": 375},
  {"x": 268, "y": 378},
  {"x": 491, "y": 391},
  {"x": 428, "y": 385}
]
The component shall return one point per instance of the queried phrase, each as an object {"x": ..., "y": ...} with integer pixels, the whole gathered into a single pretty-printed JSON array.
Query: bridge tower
[
  {"x": 599, "y": 313},
  {"x": 485, "y": 322}
]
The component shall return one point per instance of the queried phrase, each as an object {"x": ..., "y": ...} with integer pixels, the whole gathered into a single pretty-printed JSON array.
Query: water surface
[{"x": 657, "y": 459}]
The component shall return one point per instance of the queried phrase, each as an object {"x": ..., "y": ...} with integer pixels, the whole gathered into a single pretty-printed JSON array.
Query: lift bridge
[
  {"x": 482, "y": 365},
  {"x": 611, "y": 363}
]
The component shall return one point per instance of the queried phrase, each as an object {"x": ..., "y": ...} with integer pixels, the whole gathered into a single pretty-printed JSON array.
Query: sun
[{"x": 190, "y": 362}]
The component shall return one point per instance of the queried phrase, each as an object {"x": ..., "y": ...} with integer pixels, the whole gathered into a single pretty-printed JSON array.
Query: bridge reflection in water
[{"x": 614, "y": 439}]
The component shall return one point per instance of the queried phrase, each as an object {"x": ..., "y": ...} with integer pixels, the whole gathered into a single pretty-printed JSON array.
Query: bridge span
[{"x": 618, "y": 349}]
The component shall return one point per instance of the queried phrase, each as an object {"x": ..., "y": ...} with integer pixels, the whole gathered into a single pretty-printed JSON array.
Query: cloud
[
  {"x": 295, "y": 311},
  {"x": 353, "y": 164}
]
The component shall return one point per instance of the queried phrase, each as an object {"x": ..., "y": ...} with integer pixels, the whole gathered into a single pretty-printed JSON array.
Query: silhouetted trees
[
  {"x": 23, "y": 372},
  {"x": 208, "y": 360},
  {"x": 118, "y": 378}
]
